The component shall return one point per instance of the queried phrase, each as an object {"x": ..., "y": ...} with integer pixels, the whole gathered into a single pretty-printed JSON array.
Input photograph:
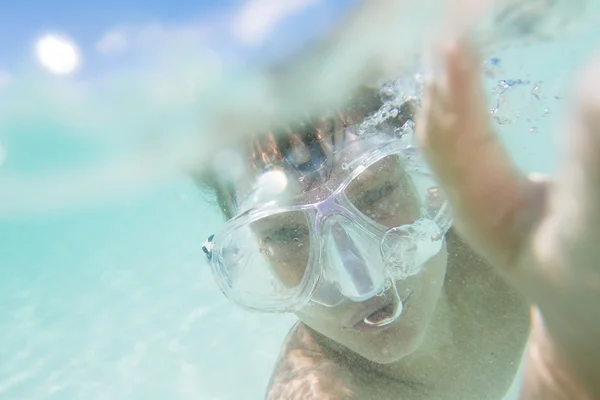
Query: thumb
[{"x": 490, "y": 199}]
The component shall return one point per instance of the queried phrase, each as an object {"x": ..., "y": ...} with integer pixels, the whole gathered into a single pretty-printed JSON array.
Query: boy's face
[{"x": 383, "y": 193}]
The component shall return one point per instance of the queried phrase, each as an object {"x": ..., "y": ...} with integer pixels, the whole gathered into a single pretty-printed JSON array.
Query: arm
[
  {"x": 542, "y": 237},
  {"x": 305, "y": 372}
]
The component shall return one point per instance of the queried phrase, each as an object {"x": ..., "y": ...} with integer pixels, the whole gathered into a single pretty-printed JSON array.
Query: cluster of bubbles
[
  {"x": 511, "y": 100},
  {"x": 406, "y": 249},
  {"x": 516, "y": 99},
  {"x": 395, "y": 94}
]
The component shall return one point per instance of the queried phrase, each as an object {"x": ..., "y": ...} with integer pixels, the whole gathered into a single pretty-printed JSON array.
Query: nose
[{"x": 354, "y": 277}]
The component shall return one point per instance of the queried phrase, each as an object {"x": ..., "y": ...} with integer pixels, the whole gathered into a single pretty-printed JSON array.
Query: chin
[
  {"x": 385, "y": 345},
  {"x": 398, "y": 341},
  {"x": 385, "y": 357}
]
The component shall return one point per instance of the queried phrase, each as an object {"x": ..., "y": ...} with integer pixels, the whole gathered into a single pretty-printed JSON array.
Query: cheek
[
  {"x": 327, "y": 322},
  {"x": 320, "y": 318},
  {"x": 426, "y": 287},
  {"x": 433, "y": 273},
  {"x": 425, "y": 290}
]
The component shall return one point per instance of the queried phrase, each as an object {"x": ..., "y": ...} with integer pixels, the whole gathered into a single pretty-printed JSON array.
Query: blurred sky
[{"x": 113, "y": 31}]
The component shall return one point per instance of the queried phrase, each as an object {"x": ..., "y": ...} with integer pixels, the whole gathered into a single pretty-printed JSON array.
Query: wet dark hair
[{"x": 268, "y": 148}]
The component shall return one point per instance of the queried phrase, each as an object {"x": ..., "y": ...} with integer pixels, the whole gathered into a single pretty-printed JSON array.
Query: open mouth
[
  {"x": 378, "y": 318},
  {"x": 382, "y": 316}
]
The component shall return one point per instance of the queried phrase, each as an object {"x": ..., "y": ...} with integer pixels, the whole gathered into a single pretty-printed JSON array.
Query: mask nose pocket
[
  {"x": 406, "y": 249},
  {"x": 352, "y": 262}
]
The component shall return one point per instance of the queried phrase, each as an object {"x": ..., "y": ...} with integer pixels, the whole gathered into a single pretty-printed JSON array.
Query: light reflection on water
[{"x": 117, "y": 303}]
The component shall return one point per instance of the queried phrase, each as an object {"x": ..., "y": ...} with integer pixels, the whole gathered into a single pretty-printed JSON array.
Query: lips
[{"x": 380, "y": 315}]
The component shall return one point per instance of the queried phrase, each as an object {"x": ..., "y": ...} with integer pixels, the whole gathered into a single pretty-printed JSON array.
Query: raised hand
[{"x": 544, "y": 237}]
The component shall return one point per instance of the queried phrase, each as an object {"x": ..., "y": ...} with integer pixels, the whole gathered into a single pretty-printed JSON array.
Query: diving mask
[{"x": 377, "y": 221}]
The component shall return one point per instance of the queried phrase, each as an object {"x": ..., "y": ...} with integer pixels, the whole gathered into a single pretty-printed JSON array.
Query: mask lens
[
  {"x": 264, "y": 263},
  {"x": 404, "y": 201},
  {"x": 385, "y": 193}
]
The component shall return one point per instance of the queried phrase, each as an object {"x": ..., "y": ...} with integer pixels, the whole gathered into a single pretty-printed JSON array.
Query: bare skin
[
  {"x": 542, "y": 236},
  {"x": 472, "y": 350}
]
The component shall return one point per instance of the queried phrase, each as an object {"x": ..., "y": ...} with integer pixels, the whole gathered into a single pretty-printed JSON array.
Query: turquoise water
[
  {"x": 115, "y": 302},
  {"x": 112, "y": 299}
]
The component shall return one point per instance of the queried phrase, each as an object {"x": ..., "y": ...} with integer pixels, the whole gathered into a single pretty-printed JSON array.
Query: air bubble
[
  {"x": 388, "y": 91},
  {"x": 512, "y": 99},
  {"x": 408, "y": 128},
  {"x": 393, "y": 93},
  {"x": 406, "y": 249},
  {"x": 503, "y": 85},
  {"x": 502, "y": 120},
  {"x": 491, "y": 67},
  {"x": 536, "y": 91},
  {"x": 345, "y": 166}
]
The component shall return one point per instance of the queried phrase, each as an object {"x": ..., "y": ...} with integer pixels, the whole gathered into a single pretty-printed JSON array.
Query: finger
[
  {"x": 566, "y": 245},
  {"x": 573, "y": 225},
  {"x": 582, "y": 177},
  {"x": 488, "y": 196}
]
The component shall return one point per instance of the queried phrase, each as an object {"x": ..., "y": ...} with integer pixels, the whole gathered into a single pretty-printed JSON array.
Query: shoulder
[{"x": 305, "y": 371}]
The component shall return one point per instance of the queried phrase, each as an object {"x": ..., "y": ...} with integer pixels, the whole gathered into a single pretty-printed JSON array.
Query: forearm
[{"x": 555, "y": 372}]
